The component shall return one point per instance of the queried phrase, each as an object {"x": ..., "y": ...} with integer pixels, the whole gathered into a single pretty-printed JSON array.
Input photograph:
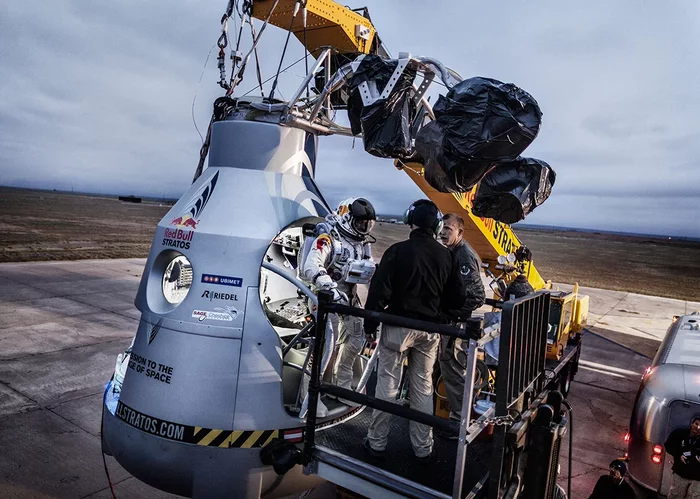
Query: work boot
[
  {"x": 446, "y": 435},
  {"x": 376, "y": 454}
]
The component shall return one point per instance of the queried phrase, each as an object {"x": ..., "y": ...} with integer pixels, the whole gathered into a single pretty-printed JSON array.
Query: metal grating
[
  {"x": 523, "y": 344},
  {"x": 437, "y": 475},
  {"x": 521, "y": 367}
]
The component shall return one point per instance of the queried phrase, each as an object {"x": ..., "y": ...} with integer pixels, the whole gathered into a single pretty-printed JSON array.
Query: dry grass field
[{"x": 44, "y": 225}]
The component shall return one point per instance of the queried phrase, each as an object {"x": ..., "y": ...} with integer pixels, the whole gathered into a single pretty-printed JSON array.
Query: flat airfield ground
[{"x": 45, "y": 225}]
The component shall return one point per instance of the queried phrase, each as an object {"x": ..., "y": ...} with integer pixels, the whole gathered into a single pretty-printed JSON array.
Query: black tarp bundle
[
  {"x": 482, "y": 121},
  {"x": 510, "y": 191},
  {"x": 385, "y": 124},
  {"x": 429, "y": 147}
]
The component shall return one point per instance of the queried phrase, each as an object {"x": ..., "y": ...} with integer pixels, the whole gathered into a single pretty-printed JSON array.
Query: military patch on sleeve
[
  {"x": 465, "y": 270},
  {"x": 322, "y": 241}
]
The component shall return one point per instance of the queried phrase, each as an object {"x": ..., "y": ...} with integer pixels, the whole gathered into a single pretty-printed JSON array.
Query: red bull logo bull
[{"x": 185, "y": 221}]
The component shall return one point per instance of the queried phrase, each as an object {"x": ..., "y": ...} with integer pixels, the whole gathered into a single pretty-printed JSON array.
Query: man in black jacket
[
  {"x": 416, "y": 278},
  {"x": 453, "y": 357},
  {"x": 684, "y": 445},
  {"x": 613, "y": 485}
]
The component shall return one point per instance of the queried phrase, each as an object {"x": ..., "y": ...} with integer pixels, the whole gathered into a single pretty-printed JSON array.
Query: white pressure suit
[{"x": 337, "y": 263}]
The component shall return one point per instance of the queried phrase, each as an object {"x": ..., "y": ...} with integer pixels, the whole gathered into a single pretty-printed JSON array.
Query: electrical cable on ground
[
  {"x": 571, "y": 445},
  {"x": 104, "y": 460}
]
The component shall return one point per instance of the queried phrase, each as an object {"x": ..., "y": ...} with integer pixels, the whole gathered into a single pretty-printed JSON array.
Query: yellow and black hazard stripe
[
  {"x": 198, "y": 435},
  {"x": 210, "y": 437},
  {"x": 233, "y": 438}
]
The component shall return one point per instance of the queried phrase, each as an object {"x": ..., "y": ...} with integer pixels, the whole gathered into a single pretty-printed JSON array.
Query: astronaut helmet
[{"x": 357, "y": 217}]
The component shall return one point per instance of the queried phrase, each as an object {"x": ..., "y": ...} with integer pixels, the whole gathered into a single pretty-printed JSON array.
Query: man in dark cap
[
  {"x": 684, "y": 445},
  {"x": 416, "y": 278},
  {"x": 613, "y": 485}
]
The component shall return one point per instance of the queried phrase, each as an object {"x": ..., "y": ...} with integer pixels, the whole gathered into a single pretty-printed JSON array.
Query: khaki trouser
[
  {"x": 453, "y": 361},
  {"x": 351, "y": 338},
  {"x": 395, "y": 344},
  {"x": 682, "y": 488}
]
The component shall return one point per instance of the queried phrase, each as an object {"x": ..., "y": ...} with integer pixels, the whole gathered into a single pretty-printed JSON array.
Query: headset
[{"x": 436, "y": 226}]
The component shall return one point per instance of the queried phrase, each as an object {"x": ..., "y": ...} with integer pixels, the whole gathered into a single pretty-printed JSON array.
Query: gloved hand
[
  {"x": 325, "y": 282},
  {"x": 340, "y": 297}
]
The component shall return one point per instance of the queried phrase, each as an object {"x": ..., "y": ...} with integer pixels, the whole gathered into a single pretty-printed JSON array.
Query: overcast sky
[{"x": 97, "y": 97}]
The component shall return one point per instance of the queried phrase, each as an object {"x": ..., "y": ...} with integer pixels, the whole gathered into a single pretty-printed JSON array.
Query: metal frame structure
[
  {"x": 316, "y": 114},
  {"x": 520, "y": 380}
]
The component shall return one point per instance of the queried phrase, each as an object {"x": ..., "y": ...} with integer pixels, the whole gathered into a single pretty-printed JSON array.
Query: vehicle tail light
[
  {"x": 656, "y": 459},
  {"x": 657, "y": 449}
]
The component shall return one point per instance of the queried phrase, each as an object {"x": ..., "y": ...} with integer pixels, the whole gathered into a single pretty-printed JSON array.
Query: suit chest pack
[{"x": 348, "y": 263}]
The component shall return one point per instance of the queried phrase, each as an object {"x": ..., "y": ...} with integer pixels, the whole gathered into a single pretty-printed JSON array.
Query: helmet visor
[{"x": 363, "y": 226}]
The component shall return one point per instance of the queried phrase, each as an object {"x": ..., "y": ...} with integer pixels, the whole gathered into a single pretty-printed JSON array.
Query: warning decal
[{"x": 194, "y": 434}]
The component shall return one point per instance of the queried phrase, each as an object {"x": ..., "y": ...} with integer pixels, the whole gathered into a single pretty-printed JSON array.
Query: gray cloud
[{"x": 97, "y": 97}]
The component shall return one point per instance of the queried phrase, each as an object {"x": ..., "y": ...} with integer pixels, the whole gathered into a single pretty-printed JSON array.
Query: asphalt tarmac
[{"x": 62, "y": 325}]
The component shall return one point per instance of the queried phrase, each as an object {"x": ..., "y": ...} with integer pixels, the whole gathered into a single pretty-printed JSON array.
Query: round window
[{"x": 177, "y": 279}]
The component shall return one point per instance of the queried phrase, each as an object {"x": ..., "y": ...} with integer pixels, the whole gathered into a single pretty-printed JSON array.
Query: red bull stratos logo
[{"x": 181, "y": 236}]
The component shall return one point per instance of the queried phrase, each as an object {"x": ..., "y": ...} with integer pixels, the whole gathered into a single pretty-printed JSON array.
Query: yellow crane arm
[{"x": 328, "y": 24}]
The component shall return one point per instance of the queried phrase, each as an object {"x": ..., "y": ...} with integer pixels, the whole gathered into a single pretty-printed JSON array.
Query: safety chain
[{"x": 497, "y": 421}]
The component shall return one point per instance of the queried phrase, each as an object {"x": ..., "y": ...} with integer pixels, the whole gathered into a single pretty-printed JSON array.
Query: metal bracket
[
  {"x": 368, "y": 89},
  {"x": 402, "y": 63},
  {"x": 428, "y": 78},
  {"x": 311, "y": 468}
]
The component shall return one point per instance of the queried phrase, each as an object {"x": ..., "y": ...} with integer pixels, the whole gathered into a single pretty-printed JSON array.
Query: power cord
[
  {"x": 104, "y": 459},
  {"x": 571, "y": 444}
]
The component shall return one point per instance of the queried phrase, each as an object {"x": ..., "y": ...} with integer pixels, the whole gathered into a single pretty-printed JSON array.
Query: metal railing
[
  {"x": 470, "y": 329},
  {"x": 520, "y": 372}
]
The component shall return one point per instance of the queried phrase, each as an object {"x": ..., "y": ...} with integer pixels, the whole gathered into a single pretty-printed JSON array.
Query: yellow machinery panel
[
  {"x": 442, "y": 406},
  {"x": 580, "y": 313},
  {"x": 561, "y": 311},
  {"x": 328, "y": 24},
  {"x": 568, "y": 313},
  {"x": 488, "y": 237}
]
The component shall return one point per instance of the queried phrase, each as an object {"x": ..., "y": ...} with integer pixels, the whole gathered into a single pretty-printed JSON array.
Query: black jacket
[
  {"x": 679, "y": 442},
  {"x": 607, "y": 488},
  {"x": 469, "y": 266},
  {"x": 416, "y": 278}
]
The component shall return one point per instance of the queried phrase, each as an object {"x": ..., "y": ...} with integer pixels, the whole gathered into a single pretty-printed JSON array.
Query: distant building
[{"x": 130, "y": 199}]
